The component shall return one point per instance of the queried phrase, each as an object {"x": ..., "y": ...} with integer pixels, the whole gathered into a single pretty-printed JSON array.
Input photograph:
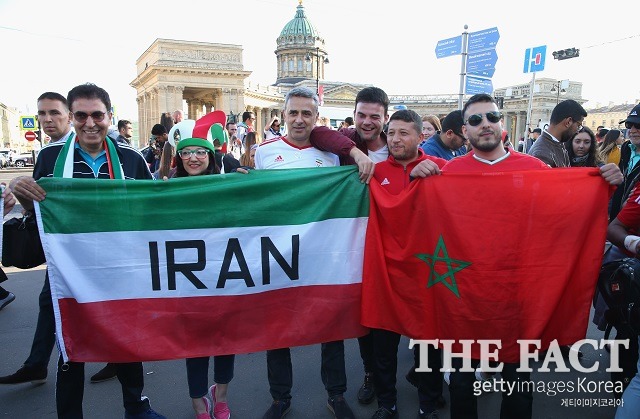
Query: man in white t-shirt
[{"x": 295, "y": 151}]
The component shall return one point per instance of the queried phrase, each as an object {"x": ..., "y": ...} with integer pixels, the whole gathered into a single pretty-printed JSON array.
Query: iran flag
[{"x": 205, "y": 265}]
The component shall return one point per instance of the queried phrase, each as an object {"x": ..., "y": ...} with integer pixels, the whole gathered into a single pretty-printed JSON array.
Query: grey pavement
[{"x": 166, "y": 382}]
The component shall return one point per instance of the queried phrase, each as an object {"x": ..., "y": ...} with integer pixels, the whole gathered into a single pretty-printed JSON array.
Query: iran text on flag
[
  {"x": 502, "y": 256},
  {"x": 206, "y": 265}
]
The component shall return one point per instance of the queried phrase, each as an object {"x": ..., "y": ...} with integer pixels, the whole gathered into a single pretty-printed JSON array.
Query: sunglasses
[
  {"x": 476, "y": 119},
  {"x": 97, "y": 116},
  {"x": 199, "y": 153},
  {"x": 630, "y": 125}
]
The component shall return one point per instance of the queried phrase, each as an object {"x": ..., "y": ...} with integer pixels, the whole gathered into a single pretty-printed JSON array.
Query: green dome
[{"x": 299, "y": 25}]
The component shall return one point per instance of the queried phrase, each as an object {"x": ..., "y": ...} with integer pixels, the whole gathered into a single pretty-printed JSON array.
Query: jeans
[
  {"x": 332, "y": 370},
  {"x": 70, "y": 388},
  {"x": 630, "y": 407},
  {"x": 198, "y": 373}
]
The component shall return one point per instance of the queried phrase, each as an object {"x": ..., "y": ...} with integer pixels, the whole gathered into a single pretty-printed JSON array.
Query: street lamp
[
  {"x": 560, "y": 86},
  {"x": 318, "y": 56}
]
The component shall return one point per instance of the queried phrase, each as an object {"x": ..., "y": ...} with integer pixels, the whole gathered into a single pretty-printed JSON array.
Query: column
[
  {"x": 163, "y": 103},
  {"x": 259, "y": 123},
  {"x": 141, "y": 120}
]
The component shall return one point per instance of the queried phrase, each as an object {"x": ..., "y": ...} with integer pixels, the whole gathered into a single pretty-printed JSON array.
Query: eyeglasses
[
  {"x": 476, "y": 119},
  {"x": 630, "y": 125},
  {"x": 276, "y": 125},
  {"x": 97, "y": 116},
  {"x": 200, "y": 154},
  {"x": 579, "y": 124}
]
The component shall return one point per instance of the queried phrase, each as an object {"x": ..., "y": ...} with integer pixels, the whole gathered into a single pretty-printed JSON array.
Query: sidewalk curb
[{"x": 13, "y": 269}]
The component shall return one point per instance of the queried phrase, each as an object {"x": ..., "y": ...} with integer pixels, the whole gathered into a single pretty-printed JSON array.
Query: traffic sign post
[
  {"x": 30, "y": 135},
  {"x": 483, "y": 40},
  {"x": 27, "y": 122},
  {"x": 482, "y": 63},
  {"x": 477, "y": 85},
  {"x": 534, "y": 59},
  {"x": 449, "y": 47}
]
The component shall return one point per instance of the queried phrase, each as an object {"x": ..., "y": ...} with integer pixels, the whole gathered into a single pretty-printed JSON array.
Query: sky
[{"x": 54, "y": 46}]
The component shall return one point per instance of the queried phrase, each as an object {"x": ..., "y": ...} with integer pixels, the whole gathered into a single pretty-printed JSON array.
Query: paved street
[{"x": 166, "y": 383}]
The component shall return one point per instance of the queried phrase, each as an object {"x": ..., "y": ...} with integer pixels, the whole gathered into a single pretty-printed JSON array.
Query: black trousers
[
  {"x": 464, "y": 404},
  {"x": 70, "y": 388},
  {"x": 385, "y": 350},
  {"x": 365, "y": 343},
  {"x": 332, "y": 370},
  {"x": 44, "y": 337}
]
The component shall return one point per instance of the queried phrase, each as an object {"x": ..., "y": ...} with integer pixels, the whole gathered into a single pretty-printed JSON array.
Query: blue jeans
[{"x": 630, "y": 407}]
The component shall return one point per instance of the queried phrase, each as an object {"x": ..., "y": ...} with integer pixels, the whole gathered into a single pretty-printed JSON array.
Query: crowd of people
[{"x": 393, "y": 150}]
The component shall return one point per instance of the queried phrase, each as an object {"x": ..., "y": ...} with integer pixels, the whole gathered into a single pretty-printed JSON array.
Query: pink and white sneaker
[
  {"x": 220, "y": 409},
  {"x": 207, "y": 415}
]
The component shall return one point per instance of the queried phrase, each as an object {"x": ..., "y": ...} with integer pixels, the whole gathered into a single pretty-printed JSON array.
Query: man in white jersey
[{"x": 295, "y": 151}]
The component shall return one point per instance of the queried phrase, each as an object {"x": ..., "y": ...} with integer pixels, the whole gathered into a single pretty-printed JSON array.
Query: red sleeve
[
  {"x": 630, "y": 213},
  {"x": 326, "y": 139}
]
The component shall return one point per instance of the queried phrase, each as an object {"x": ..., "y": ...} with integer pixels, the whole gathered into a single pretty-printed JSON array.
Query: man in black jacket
[{"x": 92, "y": 154}]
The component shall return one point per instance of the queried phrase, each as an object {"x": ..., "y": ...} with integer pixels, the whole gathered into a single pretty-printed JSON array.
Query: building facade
[{"x": 212, "y": 76}]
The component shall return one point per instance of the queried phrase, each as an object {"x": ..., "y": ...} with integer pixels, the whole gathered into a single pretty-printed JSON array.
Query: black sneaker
[
  {"x": 339, "y": 407},
  {"x": 25, "y": 375},
  {"x": 7, "y": 300},
  {"x": 105, "y": 374},
  {"x": 383, "y": 413},
  {"x": 367, "y": 392},
  {"x": 431, "y": 415},
  {"x": 278, "y": 409}
]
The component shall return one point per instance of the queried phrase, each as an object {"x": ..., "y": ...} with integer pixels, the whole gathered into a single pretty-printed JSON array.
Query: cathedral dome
[{"x": 299, "y": 26}]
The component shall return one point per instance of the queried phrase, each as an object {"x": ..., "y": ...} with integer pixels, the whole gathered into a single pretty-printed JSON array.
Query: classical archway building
[{"x": 212, "y": 76}]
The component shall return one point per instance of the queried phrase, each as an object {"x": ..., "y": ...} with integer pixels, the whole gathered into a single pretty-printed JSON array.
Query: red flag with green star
[{"x": 503, "y": 256}]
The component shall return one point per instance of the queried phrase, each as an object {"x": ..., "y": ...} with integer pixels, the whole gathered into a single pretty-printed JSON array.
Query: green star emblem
[{"x": 453, "y": 265}]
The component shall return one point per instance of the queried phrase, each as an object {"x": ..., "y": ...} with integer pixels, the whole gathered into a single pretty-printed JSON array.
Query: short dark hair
[
  {"x": 158, "y": 129},
  {"x": 54, "y": 96},
  {"x": 537, "y": 130},
  {"x": 478, "y": 98},
  {"x": 374, "y": 95},
  {"x": 349, "y": 120},
  {"x": 122, "y": 123},
  {"x": 408, "y": 115},
  {"x": 246, "y": 115},
  {"x": 567, "y": 109},
  {"x": 89, "y": 91},
  {"x": 453, "y": 121}
]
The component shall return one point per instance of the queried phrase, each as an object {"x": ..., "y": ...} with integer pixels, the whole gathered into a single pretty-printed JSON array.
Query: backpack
[{"x": 619, "y": 286}]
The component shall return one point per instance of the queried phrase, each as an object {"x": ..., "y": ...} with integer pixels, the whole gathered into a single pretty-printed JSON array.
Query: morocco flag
[
  {"x": 486, "y": 256},
  {"x": 206, "y": 265}
]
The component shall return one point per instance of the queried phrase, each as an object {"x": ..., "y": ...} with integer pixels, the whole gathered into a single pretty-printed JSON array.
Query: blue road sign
[
  {"x": 476, "y": 85},
  {"x": 449, "y": 47},
  {"x": 482, "y": 63},
  {"x": 483, "y": 40},
  {"x": 27, "y": 122},
  {"x": 534, "y": 59}
]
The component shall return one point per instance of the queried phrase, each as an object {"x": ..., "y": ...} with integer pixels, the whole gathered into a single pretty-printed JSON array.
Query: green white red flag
[{"x": 206, "y": 265}]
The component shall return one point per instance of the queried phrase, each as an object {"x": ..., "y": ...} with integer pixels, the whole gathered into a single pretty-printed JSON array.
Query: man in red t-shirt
[{"x": 394, "y": 174}]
